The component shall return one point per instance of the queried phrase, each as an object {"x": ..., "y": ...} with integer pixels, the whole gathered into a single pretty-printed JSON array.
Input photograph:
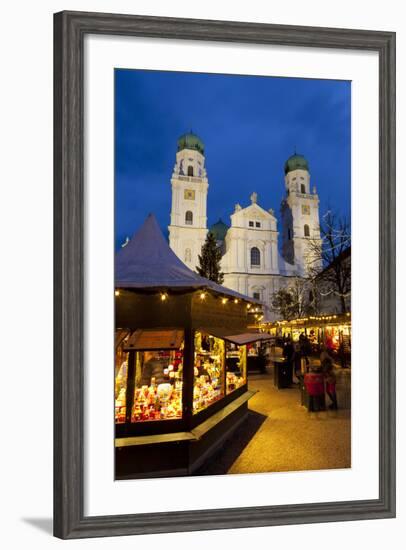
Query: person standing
[
  {"x": 305, "y": 349},
  {"x": 327, "y": 367},
  {"x": 331, "y": 381}
]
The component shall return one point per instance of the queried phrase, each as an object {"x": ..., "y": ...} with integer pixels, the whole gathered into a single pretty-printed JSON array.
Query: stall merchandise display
[
  {"x": 208, "y": 371},
  {"x": 158, "y": 386},
  {"x": 236, "y": 361},
  {"x": 157, "y": 401},
  {"x": 120, "y": 392}
]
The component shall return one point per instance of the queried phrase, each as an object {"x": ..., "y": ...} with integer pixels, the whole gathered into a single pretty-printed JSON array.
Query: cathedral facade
[{"x": 252, "y": 262}]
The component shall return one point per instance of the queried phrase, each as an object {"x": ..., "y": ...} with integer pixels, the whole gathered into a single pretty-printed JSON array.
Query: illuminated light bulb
[
  {"x": 236, "y": 301},
  {"x": 248, "y": 306},
  {"x": 202, "y": 295},
  {"x": 117, "y": 293},
  {"x": 224, "y": 301},
  {"x": 164, "y": 297}
]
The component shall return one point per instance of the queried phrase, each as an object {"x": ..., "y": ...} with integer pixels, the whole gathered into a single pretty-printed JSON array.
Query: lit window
[
  {"x": 189, "y": 218},
  {"x": 306, "y": 231},
  {"x": 255, "y": 256}
]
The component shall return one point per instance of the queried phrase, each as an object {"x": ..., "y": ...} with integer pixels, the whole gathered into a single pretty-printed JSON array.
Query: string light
[
  {"x": 224, "y": 301},
  {"x": 164, "y": 296},
  {"x": 117, "y": 293},
  {"x": 202, "y": 295},
  {"x": 248, "y": 306},
  {"x": 236, "y": 301}
]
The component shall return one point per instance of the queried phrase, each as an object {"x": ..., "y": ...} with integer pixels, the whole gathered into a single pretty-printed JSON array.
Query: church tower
[
  {"x": 188, "y": 227},
  {"x": 300, "y": 216}
]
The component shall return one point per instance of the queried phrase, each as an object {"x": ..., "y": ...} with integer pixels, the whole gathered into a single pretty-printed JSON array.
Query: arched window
[
  {"x": 306, "y": 231},
  {"x": 188, "y": 255},
  {"x": 189, "y": 218},
  {"x": 302, "y": 188},
  {"x": 255, "y": 256},
  {"x": 190, "y": 170}
]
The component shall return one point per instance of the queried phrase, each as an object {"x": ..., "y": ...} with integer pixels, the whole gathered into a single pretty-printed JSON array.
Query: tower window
[
  {"x": 302, "y": 188},
  {"x": 255, "y": 256},
  {"x": 189, "y": 218},
  {"x": 190, "y": 170},
  {"x": 306, "y": 231},
  {"x": 188, "y": 255}
]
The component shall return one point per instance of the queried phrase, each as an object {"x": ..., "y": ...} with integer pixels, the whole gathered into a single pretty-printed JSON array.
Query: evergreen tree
[{"x": 209, "y": 260}]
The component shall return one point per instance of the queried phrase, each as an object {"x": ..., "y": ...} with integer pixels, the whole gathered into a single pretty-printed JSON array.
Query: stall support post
[
  {"x": 129, "y": 398},
  {"x": 188, "y": 375}
]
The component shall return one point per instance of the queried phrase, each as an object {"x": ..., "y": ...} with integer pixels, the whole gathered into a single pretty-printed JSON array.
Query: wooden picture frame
[{"x": 70, "y": 29}]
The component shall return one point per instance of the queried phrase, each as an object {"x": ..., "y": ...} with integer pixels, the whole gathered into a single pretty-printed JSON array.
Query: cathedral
[{"x": 252, "y": 262}]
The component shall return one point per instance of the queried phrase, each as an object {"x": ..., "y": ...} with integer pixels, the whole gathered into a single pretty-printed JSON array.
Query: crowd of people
[{"x": 318, "y": 378}]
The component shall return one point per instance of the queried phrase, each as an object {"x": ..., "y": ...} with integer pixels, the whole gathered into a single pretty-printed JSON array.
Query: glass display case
[
  {"x": 236, "y": 367},
  {"x": 158, "y": 385},
  {"x": 151, "y": 384},
  {"x": 149, "y": 365},
  {"x": 208, "y": 379}
]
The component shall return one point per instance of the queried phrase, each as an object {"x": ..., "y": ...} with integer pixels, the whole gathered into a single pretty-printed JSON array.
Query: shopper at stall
[
  {"x": 288, "y": 351},
  {"x": 327, "y": 367},
  {"x": 305, "y": 349},
  {"x": 297, "y": 361},
  {"x": 314, "y": 384},
  {"x": 331, "y": 380}
]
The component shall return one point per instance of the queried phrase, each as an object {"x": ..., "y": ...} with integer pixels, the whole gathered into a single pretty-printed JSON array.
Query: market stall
[
  {"x": 333, "y": 331},
  {"x": 181, "y": 360}
]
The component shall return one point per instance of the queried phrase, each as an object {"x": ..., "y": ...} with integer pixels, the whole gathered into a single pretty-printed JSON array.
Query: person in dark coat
[
  {"x": 327, "y": 367},
  {"x": 305, "y": 349},
  {"x": 288, "y": 351}
]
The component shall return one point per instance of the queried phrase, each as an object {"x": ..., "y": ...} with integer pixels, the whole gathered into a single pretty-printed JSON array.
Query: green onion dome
[
  {"x": 296, "y": 162},
  {"x": 191, "y": 141},
  {"x": 219, "y": 230}
]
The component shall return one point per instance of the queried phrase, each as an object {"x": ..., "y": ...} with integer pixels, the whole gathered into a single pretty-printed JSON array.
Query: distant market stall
[
  {"x": 181, "y": 360},
  {"x": 333, "y": 331}
]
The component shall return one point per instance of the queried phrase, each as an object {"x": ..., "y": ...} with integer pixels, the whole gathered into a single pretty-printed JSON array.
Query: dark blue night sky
[{"x": 250, "y": 125}]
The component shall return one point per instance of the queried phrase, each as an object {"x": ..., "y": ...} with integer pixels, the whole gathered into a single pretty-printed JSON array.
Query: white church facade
[{"x": 251, "y": 262}]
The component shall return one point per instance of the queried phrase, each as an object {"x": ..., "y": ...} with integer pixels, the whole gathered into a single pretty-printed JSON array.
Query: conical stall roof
[{"x": 147, "y": 262}]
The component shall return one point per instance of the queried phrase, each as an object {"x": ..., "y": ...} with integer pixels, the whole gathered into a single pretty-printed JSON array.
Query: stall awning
[
  {"x": 247, "y": 338},
  {"x": 155, "y": 339},
  {"x": 239, "y": 339}
]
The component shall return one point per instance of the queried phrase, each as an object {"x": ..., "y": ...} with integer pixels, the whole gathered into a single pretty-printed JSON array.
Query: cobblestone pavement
[{"x": 281, "y": 435}]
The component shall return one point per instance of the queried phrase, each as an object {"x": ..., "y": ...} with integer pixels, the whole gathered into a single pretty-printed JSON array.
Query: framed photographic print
[{"x": 224, "y": 275}]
